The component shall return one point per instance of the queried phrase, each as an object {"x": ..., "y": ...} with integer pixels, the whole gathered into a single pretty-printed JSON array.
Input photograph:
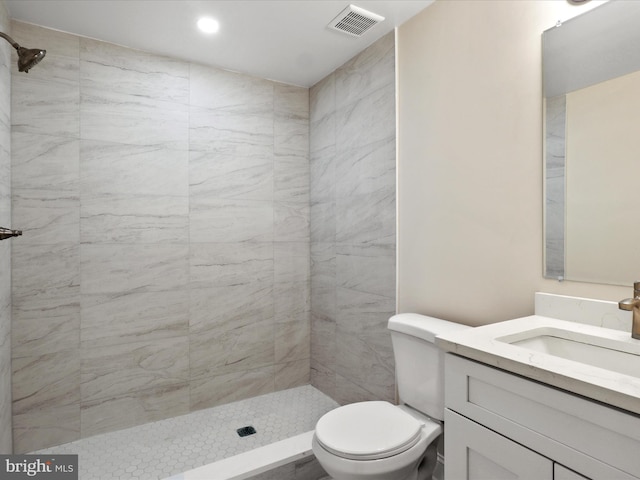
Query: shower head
[{"x": 27, "y": 57}]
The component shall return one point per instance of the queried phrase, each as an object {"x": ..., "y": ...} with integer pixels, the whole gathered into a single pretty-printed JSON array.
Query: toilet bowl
[{"x": 375, "y": 441}]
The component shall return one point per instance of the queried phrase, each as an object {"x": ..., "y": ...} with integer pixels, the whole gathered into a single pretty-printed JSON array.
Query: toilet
[{"x": 377, "y": 440}]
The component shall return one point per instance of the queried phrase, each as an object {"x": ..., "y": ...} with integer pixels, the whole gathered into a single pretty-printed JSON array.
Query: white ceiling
[{"x": 282, "y": 40}]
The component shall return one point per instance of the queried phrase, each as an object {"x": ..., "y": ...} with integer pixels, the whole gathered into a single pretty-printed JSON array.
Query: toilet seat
[{"x": 368, "y": 431}]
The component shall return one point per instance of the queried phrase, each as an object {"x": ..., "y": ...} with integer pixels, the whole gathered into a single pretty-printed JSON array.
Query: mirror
[{"x": 591, "y": 77}]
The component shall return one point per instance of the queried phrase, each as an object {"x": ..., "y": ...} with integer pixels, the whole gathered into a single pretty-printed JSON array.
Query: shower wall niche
[{"x": 164, "y": 265}]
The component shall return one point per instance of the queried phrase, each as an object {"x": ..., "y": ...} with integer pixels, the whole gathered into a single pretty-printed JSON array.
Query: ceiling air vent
[{"x": 355, "y": 21}]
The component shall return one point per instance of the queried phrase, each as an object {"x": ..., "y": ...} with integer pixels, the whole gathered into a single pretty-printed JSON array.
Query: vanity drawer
[{"x": 567, "y": 428}]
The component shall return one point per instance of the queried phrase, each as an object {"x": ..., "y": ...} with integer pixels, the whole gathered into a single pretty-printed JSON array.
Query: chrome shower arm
[{"x": 10, "y": 40}]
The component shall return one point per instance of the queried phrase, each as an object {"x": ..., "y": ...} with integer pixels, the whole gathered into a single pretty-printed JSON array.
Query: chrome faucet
[{"x": 633, "y": 304}]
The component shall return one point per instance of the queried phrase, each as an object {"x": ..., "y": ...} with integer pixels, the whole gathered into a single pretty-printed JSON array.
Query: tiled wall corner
[
  {"x": 6, "y": 446},
  {"x": 352, "y": 194}
]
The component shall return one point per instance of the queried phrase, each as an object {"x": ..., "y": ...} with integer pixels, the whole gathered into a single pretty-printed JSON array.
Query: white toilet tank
[{"x": 419, "y": 363}]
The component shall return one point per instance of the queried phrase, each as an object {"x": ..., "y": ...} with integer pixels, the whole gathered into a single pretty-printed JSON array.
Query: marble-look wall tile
[
  {"x": 323, "y": 342},
  {"x": 5, "y": 173},
  {"x": 291, "y": 222},
  {"x": 133, "y": 120},
  {"x": 322, "y": 166},
  {"x": 247, "y": 177},
  {"x": 292, "y": 294},
  {"x": 45, "y": 163},
  {"x": 43, "y": 427},
  {"x": 363, "y": 343},
  {"x": 322, "y": 217},
  {"x": 291, "y": 178},
  {"x": 106, "y": 66},
  {"x": 46, "y": 200},
  {"x": 323, "y": 262},
  {"x": 322, "y": 100},
  {"x": 46, "y": 295},
  {"x": 134, "y": 219},
  {"x": 112, "y": 319},
  {"x": 360, "y": 267},
  {"x": 5, "y": 284},
  {"x": 46, "y": 217},
  {"x": 291, "y": 136},
  {"x": 220, "y": 89},
  {"x": 291, "y": 340},
  {"x": 366, "y": 72},
  {"x": 46, "y": 381},
  {"x": 323, "y": 378},
  {"x": 291, "y": 262},
  {"x": 230, "y": 220},
  {"x": 45, "y": 298},
  {"x": 231, "y": 328},
  {"x": 366, "y": 121},
  {"x": 116, "y": 370},
  {"x": 119, "y": 169},
  {"x": 246, "y": 133},
  {"x": 291, "y": 103},
  {"x": 5, "y": 374},
  {"x": 233, "y": 345},
  {"x": 364, "y": 219},
  {"x": 39, "y": 107},
  {"x": 292, "y": 301},
  {"x": 230, "y": 387},
  {"x": 292, "y": 374},
  {"x": 6, "y": 441},
  {"x": 114, "y": 268},
  {"x": 353, "y": 220},
  {"x": 366, "y": 170},
  {"x": 323, "y": 281},
  {"x": 212, "y": 308},
  {"x": 347, "y": 391},
  {"x": 47, "y": 100},
  {"x": 134, "y": 408},
  {"x": 44, "y": 333},
  {"x": 222, "y": 264}
]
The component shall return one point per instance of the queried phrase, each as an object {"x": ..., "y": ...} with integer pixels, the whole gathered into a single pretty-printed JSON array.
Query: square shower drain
[{"x": 245, "y": 431}]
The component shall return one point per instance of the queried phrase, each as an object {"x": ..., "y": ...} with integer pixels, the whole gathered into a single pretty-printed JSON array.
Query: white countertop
[{"x": 480, "y": 344}]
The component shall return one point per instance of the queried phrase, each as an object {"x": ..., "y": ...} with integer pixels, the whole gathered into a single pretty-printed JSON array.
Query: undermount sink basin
[{"x": 609, "y": 354}]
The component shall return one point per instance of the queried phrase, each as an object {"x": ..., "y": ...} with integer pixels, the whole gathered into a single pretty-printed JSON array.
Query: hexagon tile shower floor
[{"x": 161, "y": 449}]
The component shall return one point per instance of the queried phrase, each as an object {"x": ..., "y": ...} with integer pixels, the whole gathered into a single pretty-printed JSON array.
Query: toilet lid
[{"x": 368, "y": 431}]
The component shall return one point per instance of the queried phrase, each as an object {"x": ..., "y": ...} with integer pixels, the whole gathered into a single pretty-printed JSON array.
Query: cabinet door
[
  {"x": 563, "y": 473},
  {"x": 473, "y": 452}
]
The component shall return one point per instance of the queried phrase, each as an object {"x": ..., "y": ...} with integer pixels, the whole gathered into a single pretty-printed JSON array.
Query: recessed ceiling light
[{"x": 208, "y": 25}]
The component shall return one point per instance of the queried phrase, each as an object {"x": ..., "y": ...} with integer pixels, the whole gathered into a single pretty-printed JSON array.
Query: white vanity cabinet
[{"x": 502, "y": 426}]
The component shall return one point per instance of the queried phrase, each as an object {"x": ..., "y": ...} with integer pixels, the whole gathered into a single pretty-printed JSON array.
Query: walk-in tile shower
[{"x": 191, "y": 236}]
